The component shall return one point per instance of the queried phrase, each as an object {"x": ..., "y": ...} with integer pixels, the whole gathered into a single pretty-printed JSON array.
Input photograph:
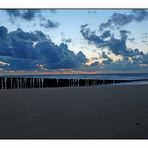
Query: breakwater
[{"x": 22, "y": 82}]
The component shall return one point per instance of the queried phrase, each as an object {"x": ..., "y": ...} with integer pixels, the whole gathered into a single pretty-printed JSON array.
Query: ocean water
[
  {"x": 143, "y": 77},
  {"x": 125, "y": 76}
]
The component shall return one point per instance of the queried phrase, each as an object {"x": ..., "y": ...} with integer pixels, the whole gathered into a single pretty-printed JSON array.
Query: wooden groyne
[{"x": 22, "y": 82}]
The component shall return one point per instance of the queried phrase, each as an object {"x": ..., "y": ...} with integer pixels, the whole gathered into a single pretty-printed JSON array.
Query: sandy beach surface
[{"x": 86, "y": 112}]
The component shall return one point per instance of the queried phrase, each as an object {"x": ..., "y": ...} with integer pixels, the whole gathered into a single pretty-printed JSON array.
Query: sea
[{"x": 143, "y": 77}]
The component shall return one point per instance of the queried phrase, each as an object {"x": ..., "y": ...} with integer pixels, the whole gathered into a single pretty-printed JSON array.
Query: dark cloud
[
  {"x": 106, "y": 58},
  {"x": 50, "y": 24},
  {"x": 140, "y": 59},
  {"x": 14, "y": 12},
  {"x": 81, "y": 57},
  {"x": 29, "y": 14},
  {"x": 107, "y": 61},
  {"x": 117, "y": 46},
  {"x": 89, "y": 35},
  {"x": 123, "y": 34},
  {"x": 26, "y": 14},
  {"x": 122, "y": 65},
  {"x": 144, "y": 58},
  {"x": 26, "y": 50},
  {"x": 96, "y": 63},
  {"x": 125, "y": 64},
  {"x": 18, "y": 63},
  {"x": 105, "y": 34},
  {"x": 140, "y": 14},
  {"x": 104, "y": 55},
  {"x": 3, "y": 32},
  {"x": 118, "y": 19}
]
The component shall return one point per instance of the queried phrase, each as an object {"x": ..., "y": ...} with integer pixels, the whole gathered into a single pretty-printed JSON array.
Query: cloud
[
  {"x": 68, "y": 40},
  {"x": 84, "y": 26},
  {"x": 50, "y": 24},
  {"x": 106, "y": 34},
  {"x": 64, "y": 39},
  {"x": 81, "y": 57},
  {"x": 145, "y": 35},
  {"x": 131, "y": 59},
  {"x": 96, "y": 63},
  {"x": 118, "y": 19},
  {"x": 131, "y": 39},
  {"x": 89, "y": 35},
  {"x": 26, "y": 14},
  {"x": 104, "y": 55},
  {"x": 31, "y": 14},
  {"x": 144, "y": 58},
  {"x": 122, "y": 65},
  {"x": 91, "y": 12},
  {"x": 117, "y": 46},
  {"x": 26, "y": 50},
  {"x": 3, "y": 32},
  {"x": 18, "y": 63},
  {"x": 56, "y": 56},
  {"x": 107, "y": 61},
  {"x": 53, "y": 10},
  {"x": 140, "y": 14},
  {"x": 106, "y": 58}
]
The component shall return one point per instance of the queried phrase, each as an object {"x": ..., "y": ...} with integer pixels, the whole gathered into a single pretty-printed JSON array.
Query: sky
[{"x": 81, "y": 39}]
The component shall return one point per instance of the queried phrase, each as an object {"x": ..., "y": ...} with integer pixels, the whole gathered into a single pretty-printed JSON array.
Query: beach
[{"x": 104, "y": 112}]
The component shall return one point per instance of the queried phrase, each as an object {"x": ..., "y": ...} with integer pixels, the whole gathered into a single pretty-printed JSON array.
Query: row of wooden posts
[{"x": 16, "y": 83}]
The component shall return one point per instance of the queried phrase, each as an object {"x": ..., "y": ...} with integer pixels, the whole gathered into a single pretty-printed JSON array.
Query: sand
[{"x": 90, "y": 112}]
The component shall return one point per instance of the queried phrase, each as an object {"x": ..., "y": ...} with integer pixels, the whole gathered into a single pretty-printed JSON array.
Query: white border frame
[{"x": 74, "y": 4}]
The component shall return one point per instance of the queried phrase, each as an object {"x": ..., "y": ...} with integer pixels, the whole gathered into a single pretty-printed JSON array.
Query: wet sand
[{"x": 86, "y": 112}]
